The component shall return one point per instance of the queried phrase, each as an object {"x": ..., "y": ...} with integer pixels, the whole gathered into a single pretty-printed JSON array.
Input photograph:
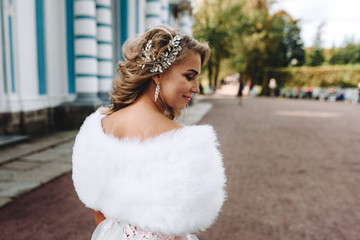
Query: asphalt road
[{"x": 293, "y": 173}]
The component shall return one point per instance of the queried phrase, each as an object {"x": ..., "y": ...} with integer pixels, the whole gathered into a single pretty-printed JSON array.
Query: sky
[{"x": 341, "y": 18}]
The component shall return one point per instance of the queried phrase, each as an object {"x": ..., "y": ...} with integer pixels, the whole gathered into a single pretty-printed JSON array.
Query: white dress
[
  {"x": 155, "y": 189},
  {"x": 114, "y": 230}
]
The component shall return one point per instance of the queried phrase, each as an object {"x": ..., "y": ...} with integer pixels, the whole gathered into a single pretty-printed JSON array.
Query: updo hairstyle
[{"x": 133, "y": 78}]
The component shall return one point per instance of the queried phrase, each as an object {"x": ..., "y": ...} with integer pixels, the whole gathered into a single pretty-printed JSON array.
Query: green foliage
[
  {"x": 213, "y": 25},
  {"x": 244, "y": 32},
  {"x": 324, "y": 76},
  {"x": 284, "y": 45},
  {"x": 278, "y": 45},
  {"x": 350, "y": 54},
  {"x": 316, "y": 56},
  {"x": 294, "y": 45}
]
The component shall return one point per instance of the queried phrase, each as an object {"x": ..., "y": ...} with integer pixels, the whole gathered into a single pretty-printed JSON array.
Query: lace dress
[{"x": 113, "y": 230}]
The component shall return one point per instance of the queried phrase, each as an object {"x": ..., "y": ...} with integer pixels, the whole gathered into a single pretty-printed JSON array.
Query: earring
[{"x": 157, "y": 90}]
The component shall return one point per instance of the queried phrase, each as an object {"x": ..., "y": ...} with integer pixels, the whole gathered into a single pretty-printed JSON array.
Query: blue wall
[
  {"x": 11, "y": 56},
  {"x": 123, "y": 23},
  {"x": 41, "y": 46},
  {"x": 5, "y": 85},
  {"x": 70, "y": 45}
]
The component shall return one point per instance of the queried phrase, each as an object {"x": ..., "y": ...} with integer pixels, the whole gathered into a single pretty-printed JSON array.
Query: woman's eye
[{"x": 189, "y": 77}]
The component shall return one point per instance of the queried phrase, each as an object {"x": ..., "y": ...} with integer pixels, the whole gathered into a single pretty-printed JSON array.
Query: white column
[
  {"x": 165, "y": 12},
  {"x": 104, "y": 47},
  {"x": 131, "y": 19},
  {"x": 141, "y": 16},
  {"x": 186, "y": 19},
  {"x": 12, "y": 99},
  {"x": 86, "y": 64},
  {"x": 153, "y": 13}
]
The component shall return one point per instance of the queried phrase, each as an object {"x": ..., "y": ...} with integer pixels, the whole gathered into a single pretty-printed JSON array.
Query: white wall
[
  {"x": 142, "y": 7},
  {"x": 153, "y": 8},
  {"x": 25, "y": 57},
  {"x": 131, "y": 19},
  {"x": 3, "y": 99},
  {"x": 10, "y": 100},
  {"x": 165, "y": 11},
  {"x": 25, "y": 51},
  {"x": 56, "y": 52}
]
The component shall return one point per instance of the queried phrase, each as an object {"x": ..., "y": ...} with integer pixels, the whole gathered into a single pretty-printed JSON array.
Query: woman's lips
[{"x": 187, "y": 98}]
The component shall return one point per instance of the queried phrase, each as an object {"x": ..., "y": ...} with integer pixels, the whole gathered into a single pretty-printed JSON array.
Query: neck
[{"x": 147, "y": 99}]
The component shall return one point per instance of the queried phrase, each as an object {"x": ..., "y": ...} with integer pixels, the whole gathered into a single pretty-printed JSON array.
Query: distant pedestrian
[
  {"x": 308, "y": 92},
  {"x": 240, "y": 92},
  {"x": 272, "y": 86}
]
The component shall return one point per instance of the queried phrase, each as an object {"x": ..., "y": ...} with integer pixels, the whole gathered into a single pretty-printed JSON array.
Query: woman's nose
[{"x": 195, "y": 88}]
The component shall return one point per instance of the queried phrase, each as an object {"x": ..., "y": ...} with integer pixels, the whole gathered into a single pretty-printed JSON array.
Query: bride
[{"x": 144, "y": 175}]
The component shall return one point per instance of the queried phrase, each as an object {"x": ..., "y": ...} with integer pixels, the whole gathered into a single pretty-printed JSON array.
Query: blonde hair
[{"x": 133, "y": 80}]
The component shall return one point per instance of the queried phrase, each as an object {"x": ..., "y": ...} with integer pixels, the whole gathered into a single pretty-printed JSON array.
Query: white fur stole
[{"x": 171, "y": 184}]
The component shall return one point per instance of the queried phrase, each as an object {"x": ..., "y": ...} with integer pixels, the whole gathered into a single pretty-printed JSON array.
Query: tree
[
  {"x": 285, "y": 47},
  {"x": 270, "y": 41},
  {"x": 316, "y": 56},
  {"x": 294, "y": 45},
  {"x": 249, "y": 48},
  {"x": 244, "y": 32},
  {"x": 350, "y": 54},
  {"x": 212, "y": 25}
]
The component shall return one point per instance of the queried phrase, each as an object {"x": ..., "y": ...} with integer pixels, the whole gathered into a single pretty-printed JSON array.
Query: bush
[
  {"x": 344, "y": 76},
  {"x": 347, "y": 55}
]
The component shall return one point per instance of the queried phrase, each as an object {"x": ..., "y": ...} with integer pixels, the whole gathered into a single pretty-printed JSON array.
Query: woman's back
[{"x": 137, "y": 121}]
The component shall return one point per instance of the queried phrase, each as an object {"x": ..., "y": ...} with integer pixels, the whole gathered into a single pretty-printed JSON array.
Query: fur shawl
[{"x": 171, "y": 184}]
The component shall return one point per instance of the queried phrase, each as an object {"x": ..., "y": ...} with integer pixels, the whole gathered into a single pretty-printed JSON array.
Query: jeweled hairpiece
[{"x": 166, "y": 58}]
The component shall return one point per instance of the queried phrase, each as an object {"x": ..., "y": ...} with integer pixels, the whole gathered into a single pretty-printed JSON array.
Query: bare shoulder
[
  {"x": 162, "y": 124},
  {"x": 126, "y": 124}
]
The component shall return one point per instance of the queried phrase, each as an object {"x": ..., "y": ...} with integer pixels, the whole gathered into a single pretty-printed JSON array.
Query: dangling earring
[{"x": 157, "y": 90}]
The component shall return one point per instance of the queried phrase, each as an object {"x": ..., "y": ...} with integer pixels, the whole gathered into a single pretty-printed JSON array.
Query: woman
[
  {"x": 144, "y": 175},
  {"x": 240, "y": 91}
]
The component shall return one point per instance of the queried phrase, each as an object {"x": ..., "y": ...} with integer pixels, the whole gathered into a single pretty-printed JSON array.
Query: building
[{"x": 58, "y": 57}]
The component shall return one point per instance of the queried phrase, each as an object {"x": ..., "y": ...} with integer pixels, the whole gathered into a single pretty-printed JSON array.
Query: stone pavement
[
  {"x": 28, "y": 165},
  {"x": 292, "y": 166}
]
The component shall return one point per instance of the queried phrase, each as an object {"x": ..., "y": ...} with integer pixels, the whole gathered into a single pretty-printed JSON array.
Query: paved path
[
  {"x": 293, "y": 169},
  {"x": 293, "y": 173},
  {"x": 28, "y": 165}
]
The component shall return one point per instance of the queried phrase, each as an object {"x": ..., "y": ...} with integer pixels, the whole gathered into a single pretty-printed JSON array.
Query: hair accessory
[
  {"x": 157, "y": 90},
  {"x": 145, "y": 54},
  {"x": 166, "y": 58}
]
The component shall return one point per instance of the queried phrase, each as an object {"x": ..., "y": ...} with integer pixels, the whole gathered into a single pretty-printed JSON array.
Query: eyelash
[{"x": 189, "y": 78}]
